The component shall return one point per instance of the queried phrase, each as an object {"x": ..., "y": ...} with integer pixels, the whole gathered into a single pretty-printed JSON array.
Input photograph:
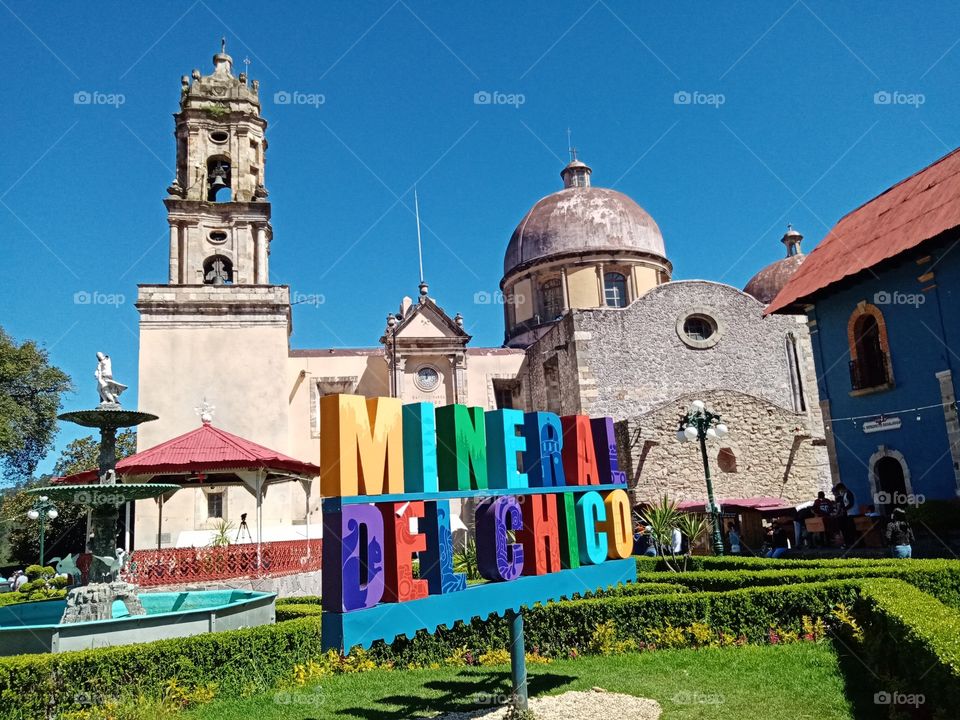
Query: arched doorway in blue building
[{"x": 889, "y": 479}]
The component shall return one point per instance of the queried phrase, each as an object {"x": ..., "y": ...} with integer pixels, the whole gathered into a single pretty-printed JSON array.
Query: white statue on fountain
[{"x": 108, "y": 388}]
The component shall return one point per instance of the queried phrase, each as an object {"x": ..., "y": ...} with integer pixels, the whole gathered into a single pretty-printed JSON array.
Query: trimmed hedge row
[
  {"x": 939, "y": 578},
  {"x": 558, "y": 627},
  {"x": 913, "y": 637},
  {"x": 38, "y": 686},
  {"x": 745, "y": 562}
]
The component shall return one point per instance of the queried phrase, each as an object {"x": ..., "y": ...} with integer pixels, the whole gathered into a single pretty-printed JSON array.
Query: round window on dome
[{"x": 699, "y": 328}]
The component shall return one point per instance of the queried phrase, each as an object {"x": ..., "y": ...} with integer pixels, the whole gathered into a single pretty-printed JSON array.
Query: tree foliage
[
  {"x": 67, "y": 533},
  {"x": 30, "y": 392}
]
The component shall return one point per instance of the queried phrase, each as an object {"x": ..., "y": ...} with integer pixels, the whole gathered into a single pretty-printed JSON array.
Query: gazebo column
[
  {"x": 255, "y": 482},
  {"x": 307, "y": 485}
]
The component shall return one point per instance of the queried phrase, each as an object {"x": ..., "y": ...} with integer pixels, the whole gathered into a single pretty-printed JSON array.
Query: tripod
[{"x": 244, "y": 529}]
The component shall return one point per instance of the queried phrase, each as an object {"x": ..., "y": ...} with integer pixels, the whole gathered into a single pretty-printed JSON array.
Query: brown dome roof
[
  {"x": 767, "y": 283},
  {"x": 582, "y": 219}
]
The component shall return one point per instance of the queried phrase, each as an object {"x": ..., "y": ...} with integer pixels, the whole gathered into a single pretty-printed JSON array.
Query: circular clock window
[{"x": 427, "y": 378}]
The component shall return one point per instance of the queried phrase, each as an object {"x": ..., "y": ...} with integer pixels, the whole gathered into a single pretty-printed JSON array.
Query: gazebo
[{"x": 214, "y": 457}]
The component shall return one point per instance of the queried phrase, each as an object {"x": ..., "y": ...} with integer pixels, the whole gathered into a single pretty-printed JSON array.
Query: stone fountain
[{"x": 94, "y": 601}]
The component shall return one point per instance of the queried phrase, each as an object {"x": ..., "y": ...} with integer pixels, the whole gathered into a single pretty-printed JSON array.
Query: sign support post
[{"x": 518, "y": 658}]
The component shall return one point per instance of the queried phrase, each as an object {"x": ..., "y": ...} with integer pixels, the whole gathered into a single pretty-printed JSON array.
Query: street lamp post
[
  {"x": 701, "y": 424},
  {"x": 41, "y": 510}
]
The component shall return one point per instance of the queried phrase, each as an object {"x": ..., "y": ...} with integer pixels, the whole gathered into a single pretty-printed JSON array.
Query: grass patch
[{"x": 748, "y": 683}]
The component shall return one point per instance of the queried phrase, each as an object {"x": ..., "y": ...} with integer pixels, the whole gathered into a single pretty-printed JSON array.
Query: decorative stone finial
[
  {"x": 458, "y": 319},
  {"x": 424, "y": 289}
]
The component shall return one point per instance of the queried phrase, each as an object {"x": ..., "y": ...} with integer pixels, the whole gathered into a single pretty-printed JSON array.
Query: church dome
[
  {"x": 581, "y": 218},
  {"x": 767, "y": 283}
]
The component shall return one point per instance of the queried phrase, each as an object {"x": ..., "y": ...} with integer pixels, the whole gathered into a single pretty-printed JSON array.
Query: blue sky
[{"x": 784, "y": 124}]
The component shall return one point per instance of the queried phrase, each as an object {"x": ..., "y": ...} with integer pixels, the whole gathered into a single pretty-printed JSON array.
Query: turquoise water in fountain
[{"x": 35, "y": 626}]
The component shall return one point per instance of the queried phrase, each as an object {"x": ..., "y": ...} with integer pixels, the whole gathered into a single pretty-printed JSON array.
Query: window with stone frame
[
  {"x": 870, "y": 364},
  {"x": 615, "y": 289},
  {"x": 215, "y": 505},
  {"x": 551, "y": 299}
]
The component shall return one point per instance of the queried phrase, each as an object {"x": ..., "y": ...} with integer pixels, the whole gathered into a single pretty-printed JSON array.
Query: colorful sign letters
[{"x": 550, "y": 501}]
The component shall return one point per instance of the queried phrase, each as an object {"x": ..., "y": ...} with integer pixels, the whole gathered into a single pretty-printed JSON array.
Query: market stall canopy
[{"x": 766, "y": 506}]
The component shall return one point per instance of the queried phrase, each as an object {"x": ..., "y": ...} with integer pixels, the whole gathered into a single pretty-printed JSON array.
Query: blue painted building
[{"x": 881, "y": 296}]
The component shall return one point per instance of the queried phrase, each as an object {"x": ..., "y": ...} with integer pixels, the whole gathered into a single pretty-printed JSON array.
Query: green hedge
[
  {"x": 558, "y": 627},
  {"x": 37, "y": 686},
  {"x": 940, "y": 578},
  {"x": 292, "y": 611},
  {"x": 914, "y": 638},
  {"x": 742, "y": 562}
]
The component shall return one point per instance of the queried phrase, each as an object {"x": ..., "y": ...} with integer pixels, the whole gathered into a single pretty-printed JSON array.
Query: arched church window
[
  {"x": 218, "y": 179},
  {"x": 870, "y": 358},
  {"x": 217, "y": 270},
  {"x": 551, "y": 296},
  {"x": 615, "y": 289},
  {"x": 796, "y": 376}
]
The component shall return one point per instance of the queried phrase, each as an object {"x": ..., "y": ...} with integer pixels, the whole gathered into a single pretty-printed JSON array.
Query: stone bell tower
[
  {"x": 217, "y": 208},
  {"x": 217, "y": 330}
]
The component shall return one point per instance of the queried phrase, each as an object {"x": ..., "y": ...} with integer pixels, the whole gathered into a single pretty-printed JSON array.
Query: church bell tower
[
  {"x": 217, "y": 329},
  {"x": 217, "y": 206}
]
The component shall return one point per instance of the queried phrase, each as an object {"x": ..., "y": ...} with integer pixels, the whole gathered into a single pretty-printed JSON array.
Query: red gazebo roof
[{"x": 207, "y": 448}]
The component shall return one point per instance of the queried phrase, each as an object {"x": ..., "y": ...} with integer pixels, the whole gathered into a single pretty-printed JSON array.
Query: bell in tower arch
[{"x": 218, "y": 178}]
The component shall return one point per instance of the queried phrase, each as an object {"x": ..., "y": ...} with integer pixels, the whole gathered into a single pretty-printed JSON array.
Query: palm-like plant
[
  {"x": 221, "y": 534},
  {"x": 662, "y": 517},
  {"x": 465, "y": 561},
  {"x": 692, "y": 527}
]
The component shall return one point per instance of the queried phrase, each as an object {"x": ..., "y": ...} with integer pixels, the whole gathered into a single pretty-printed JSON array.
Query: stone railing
[{"x": 190, "y": 565}]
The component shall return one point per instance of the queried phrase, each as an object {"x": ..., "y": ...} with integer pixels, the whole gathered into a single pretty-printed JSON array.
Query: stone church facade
[{"x": 594, "y": 325}]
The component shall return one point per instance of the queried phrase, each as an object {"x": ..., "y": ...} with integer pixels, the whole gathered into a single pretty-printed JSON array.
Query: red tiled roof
[
  {"x": 914, "y": 210},
  {"x": 206, "y": 448}
]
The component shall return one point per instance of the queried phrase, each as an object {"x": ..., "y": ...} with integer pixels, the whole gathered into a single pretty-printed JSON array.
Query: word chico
[{"x": 550, "y": 497}]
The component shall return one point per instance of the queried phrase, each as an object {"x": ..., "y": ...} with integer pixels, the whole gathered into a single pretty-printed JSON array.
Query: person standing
[
  {"x": 899, "y": 535},
  {"x": 846, "y": 501}
]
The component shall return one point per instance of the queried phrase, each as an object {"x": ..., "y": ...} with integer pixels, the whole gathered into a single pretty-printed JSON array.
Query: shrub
[
  {"x": 915, "y": 638},
  {"x": 292, "y": 611},
  {"x": 940, "y": 578}
]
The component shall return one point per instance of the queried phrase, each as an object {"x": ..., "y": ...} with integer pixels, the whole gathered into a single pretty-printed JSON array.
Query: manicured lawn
[{"x": 795, "y": 681}]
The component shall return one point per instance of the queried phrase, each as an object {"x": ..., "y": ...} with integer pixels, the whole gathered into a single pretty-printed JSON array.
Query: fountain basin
[{"x": 35, "y": 627}]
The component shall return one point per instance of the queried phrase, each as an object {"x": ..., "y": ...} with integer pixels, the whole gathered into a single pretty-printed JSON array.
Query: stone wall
[
  {"x": 633, "y": 365},
  {"x": 768, "y": 451}
]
